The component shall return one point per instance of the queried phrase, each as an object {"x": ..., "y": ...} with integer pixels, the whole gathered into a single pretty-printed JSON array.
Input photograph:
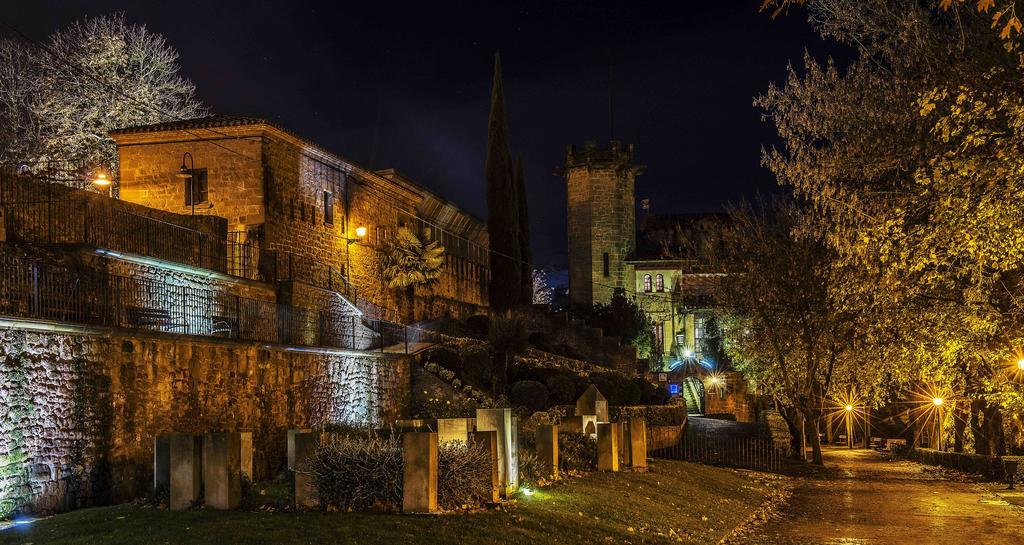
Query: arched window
[
  {"x": 647, "y": 283},
  {"x": 607, "y": 265},
  {"x": 659, "y": 283}
]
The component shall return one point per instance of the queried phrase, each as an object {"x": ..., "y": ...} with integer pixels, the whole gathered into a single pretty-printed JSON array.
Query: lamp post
[
  {"x": 186, "y": 173},
  {"x": 849, "y": 425},
  {"x": 937, "y": 402},
  {"x": 101, "y": 181}
]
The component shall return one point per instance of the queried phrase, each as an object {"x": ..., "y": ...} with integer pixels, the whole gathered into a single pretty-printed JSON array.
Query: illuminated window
[
  {"x": 607, "y": 265},
  {"x": 659, "y": 282},
  {"x": 328, "y": 208},
  {"x": 200, "y": 190},
  {"x": 647, "y": 283}
]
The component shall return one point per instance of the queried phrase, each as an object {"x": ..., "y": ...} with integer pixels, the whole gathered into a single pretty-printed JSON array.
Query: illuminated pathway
[{"x": 872, "y": 501}]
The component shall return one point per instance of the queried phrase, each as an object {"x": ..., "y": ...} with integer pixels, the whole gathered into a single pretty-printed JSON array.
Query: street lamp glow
[
  {"x": 687, "y": 353},
  {"x": 849, "y": 408},
  {"x": 1020, "y": 364},
  {"x": 101, "y": 179},
  {"x": 360, "y": 231},
  {"x": 937, "y": 401}
]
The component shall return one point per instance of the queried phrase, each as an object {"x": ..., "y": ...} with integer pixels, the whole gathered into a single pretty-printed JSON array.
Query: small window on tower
[
  {"x": 647, "y": 283},
  {"x": 328, "y": 208},
  {"x": 607, "y": 265},
  {"x": 659, "y": 283}
]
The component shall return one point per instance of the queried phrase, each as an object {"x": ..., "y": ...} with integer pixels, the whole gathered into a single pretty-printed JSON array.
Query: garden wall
[{"x": 78, "y": 412}]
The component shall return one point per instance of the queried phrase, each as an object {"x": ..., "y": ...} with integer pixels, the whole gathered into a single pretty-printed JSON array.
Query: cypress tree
[
  {"x": 502, "y": 209},
  {"x": 526, "y": 254}
]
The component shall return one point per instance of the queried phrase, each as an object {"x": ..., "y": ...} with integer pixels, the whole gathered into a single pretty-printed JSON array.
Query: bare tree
[{"x": 95, "y": 75}]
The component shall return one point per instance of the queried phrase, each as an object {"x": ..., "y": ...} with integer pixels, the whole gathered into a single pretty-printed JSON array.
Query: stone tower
[{"x": 601, "y": 220}]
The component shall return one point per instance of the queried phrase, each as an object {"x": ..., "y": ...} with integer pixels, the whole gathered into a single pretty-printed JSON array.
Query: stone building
[
  {"x": 320, "y": 220},
  {"x": 662, "y": 262}
]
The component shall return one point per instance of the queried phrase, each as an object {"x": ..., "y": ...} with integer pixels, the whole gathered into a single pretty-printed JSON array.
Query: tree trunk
[
  {"x": 410, "y": 299},
  {"x": 811, "y": 417},
  {"x": 959, "y": 430},
  {"x": 978, "y": 428}
]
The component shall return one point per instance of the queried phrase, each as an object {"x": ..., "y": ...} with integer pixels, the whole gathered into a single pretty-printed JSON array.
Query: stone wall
[
  {"x": 78, "y": 411},
  {"x": 736, "y": 401}
]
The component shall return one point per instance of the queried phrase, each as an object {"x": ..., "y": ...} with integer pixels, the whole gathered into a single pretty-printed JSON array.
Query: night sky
[{"x": 408, "y": 87}]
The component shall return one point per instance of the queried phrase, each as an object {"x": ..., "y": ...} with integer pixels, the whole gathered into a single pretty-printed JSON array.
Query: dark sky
[{"x": 408, "y": 86}]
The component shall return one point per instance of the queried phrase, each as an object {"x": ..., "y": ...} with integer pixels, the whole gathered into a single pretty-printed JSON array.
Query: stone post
[
  {"x": 186, "y": 470},
  {"x": 302, "y": 445},
  {"x": 452, "y": 429},
  {"x": 222, "y": 473},
  {"x": 419, "y": 472},
  {"x": 502, "y": 421},
  {"x": 291, "y": 445},
  {"x": 245, "y": 442},
  {"x": 608, "y": 446},
  {"x": 637, "y": 443},
  {"x": 490, "y": 438},
  {"x": 547, "y": 449},
  {"x": 161, "y": 462}
]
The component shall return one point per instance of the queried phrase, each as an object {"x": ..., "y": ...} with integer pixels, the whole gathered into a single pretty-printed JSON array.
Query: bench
[{"x": 145, "y": 316}]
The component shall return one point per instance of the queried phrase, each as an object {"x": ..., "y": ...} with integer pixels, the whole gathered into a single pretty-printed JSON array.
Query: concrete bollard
[
  {"x": 490, "y": 438},
  {"x": 186, "y": 470},
  {"x": 303, "y": 445},
  {"x": 222, "y": 470},
  {"x": 547, "y": 449},
  {"x": 245, "y": 455},
  {"x": 452, "y": 429},
  {"x": 291, "y": 445},
  {"x": 419, "y": 472},
  {"x": 161, "y": 462},
  {"x": 608, "y": 446},
  {"x": 502, "y": 421},
  {"x": 637, "y": 443}
]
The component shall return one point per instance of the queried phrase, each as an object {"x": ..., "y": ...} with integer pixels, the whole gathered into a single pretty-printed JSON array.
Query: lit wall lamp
[{"x": 360, "y": 235}]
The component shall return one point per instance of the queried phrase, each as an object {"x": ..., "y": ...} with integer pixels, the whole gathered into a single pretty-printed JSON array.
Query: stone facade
[
  {"x": 601, "y": 220},
  {"x": 80, "y": 410},
  {"x": 275, "y": 189}
]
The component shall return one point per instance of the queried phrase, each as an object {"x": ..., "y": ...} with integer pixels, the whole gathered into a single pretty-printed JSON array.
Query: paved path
[{"x": 873, "y": 501}]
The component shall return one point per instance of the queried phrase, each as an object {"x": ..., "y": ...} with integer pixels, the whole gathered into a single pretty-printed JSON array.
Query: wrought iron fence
[
  {"x": 729, "y": 451},
  {"x": 34, "y": 290},
  {"x": 44, "y": 213}
]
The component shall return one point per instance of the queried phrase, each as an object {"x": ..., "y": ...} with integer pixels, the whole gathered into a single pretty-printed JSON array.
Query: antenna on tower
[{"x": 611, "y": 95}]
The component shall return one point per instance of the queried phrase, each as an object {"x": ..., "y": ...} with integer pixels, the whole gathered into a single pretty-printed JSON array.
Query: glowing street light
[
  {"x": 937, "y": 401},
  {"x": 1020, "y": 364},
  {"x": 101, "y": 179},
  {"x": 849, "y": 408},
  {"x": 360, "y": 235}
]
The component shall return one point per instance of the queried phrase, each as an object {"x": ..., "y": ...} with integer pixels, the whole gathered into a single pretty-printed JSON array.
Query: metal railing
[
  {"x": 46, "y": 213},
  {"x": 728, "y": 451},
  {"x": 33, "y": 290}
]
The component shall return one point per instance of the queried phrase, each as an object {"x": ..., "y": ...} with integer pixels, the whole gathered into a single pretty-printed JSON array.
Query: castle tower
[{"x": 601, "y": 220}]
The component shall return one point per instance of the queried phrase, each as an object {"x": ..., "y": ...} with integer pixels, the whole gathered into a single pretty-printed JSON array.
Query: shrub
[
  {"x": 478, "y": 326},
  {"x": 530, "y": 470},
  {"x": 440, "y": 407},
  {"x": 561, "y": 389},
  {"x": 529, "y": 394},
  {"x": 617, "y": 387},
  {"x": 364, "y": 471},
  {"x": 476, "y": 367},
  {"x": 449, "y": 359},
  {"x": 463, "y": 474},
  {"x": 577, "y": 452},
  {"x": 358, "y": 472}
]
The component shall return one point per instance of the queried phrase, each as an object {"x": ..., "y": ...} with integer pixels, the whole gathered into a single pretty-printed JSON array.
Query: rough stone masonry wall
[
  {"x": 234, "y": 176},
  {"x": 78, "y": 412}
]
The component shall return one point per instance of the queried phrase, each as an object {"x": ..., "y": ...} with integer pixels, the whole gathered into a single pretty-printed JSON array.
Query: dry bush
[{"x": 364, "y": 471}]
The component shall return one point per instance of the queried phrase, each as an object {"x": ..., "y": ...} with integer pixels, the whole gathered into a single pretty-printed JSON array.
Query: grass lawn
[{"x": 673, "y": 502}]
